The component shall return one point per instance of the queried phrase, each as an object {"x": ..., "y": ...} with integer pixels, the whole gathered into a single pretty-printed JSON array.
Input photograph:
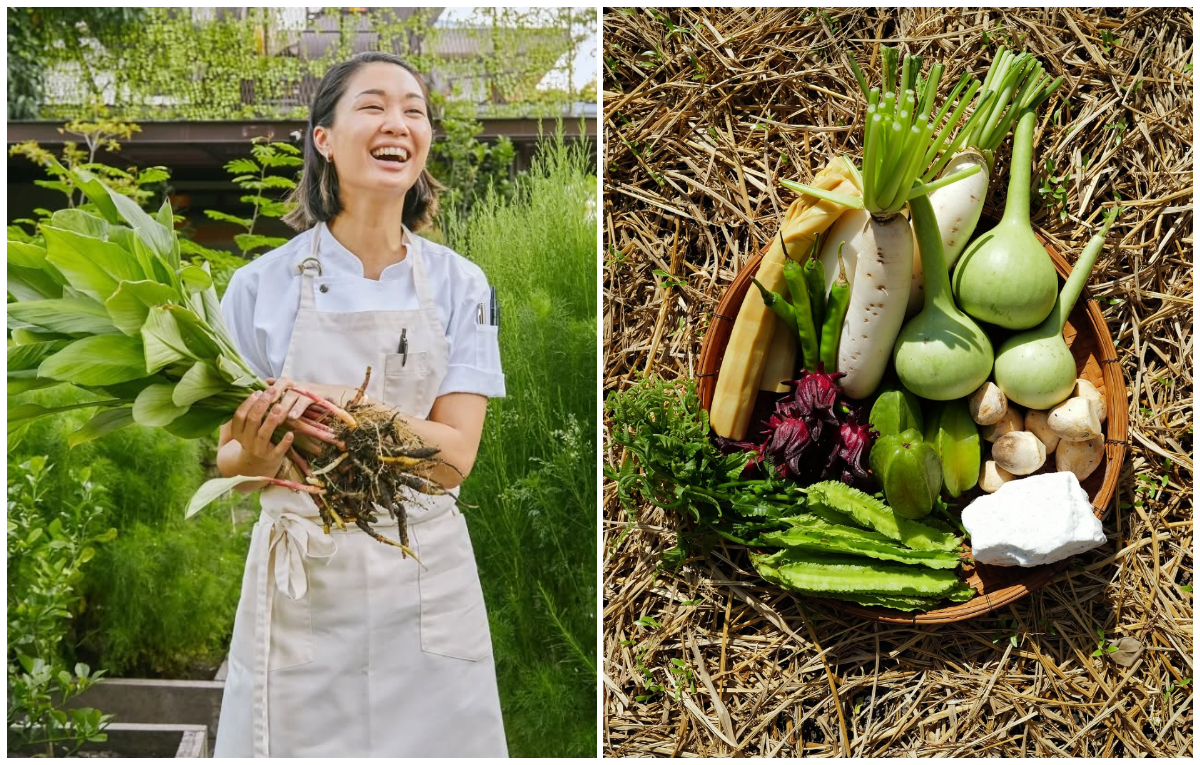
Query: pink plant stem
[
  {"x": 308, "y": 429},
  {"x": 312, "y": 416},
  {"x": 331, "y": 407},
  {"x": 301, "y": 463},
  {"x": 308, "y": 446},
  {"x": 294, "y": 486},
  {"x": 321, "y": 425}
]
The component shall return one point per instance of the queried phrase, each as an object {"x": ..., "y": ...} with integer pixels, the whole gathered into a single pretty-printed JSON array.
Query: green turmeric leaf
[
  {"x": 71, "y": 316},
  {"x": 195, "y": 278},
  {"x": 26, "y": 255},
  {"x": 103, "y": 423},
  {"x": 160, "y": 240},
  {"x": 199, "y": 337},
  {"x": 154, "y": 406},
  {"x": 200, "y": 382},
  {"x": 26, "y": 357},
  {"x": 199, "y": 421},
  {"x": 162, "y": 340},
  {"x": 95, "y": 191},
  {"x": 131, "y": 303},
  {"x": 213, "y": 489},
  {"x": 97, "y": 360},
  {"x": 19, "y": 416},
  {"x": 90, "y": 265}
]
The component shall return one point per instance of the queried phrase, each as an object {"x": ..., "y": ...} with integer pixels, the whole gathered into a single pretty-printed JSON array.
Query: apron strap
[
  {"x": 309, "y": 266},
  {"x": 420, "y": 279}
]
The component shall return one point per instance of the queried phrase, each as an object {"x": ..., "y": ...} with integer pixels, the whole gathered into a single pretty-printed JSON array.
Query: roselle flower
[
  {"x": 813, "y": 434},
  {"x": 816, "y": 394},
  {"x": 789, "y": 438},
  {"x": 852, "y": 451}
]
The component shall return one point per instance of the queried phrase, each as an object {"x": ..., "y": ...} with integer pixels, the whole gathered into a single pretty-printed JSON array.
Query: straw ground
[{"x": 704, "y": 111}]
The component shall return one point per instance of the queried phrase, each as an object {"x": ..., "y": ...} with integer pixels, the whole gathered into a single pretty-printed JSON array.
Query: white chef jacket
[{"x": 263, "y": 297}]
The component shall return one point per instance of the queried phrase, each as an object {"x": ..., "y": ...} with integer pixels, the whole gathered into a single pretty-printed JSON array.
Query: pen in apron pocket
[
  {"x": 402, "y": 348},
  {"x": 495, "y": 313}
]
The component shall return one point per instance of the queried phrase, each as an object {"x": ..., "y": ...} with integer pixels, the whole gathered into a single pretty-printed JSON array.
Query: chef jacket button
[{"x": 324, "y": 288}]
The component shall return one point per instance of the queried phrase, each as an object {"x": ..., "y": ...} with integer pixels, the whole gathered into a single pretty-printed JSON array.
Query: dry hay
[{"x": 704, "y": 109}]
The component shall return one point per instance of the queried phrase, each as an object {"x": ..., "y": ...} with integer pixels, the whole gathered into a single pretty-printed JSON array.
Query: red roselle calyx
[
  {"x": 852, "y": 451},
  {"x": 788, "y": 441},
  {"x": 814, "y": 435}
]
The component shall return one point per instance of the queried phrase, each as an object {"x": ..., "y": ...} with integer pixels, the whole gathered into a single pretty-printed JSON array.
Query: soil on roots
[{"x": 382, "y": 458}]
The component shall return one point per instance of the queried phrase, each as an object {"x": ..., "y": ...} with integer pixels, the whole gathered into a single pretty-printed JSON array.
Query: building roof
[{"x": 198, "y": 145}]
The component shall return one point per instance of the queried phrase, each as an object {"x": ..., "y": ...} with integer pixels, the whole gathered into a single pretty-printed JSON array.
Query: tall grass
[{"x": 534, "y": 531}]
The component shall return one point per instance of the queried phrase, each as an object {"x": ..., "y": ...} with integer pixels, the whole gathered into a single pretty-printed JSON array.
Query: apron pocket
[
  {"x": 453, "y": 617},
  {"x": 291, "y": 631},
  {"x": 405, "y": 383}
]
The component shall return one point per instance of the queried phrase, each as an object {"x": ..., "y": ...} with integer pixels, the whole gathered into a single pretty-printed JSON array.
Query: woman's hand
[
  {"x": 246, "y": 447},
  {"x": 253, "y": 425}
]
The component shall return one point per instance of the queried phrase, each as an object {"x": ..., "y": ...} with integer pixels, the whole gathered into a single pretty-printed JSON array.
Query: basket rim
[{"x": 1116, "y": 432}]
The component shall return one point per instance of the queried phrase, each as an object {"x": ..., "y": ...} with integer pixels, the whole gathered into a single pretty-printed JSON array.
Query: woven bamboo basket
[{"x": 1095, "y": 361}]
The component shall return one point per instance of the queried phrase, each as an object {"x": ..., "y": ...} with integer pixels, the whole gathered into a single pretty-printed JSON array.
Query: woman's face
[{"x": 380, "y": 136}]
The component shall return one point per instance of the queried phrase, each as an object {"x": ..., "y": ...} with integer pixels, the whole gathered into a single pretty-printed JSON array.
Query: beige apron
[{"x": 341, "y": 647}]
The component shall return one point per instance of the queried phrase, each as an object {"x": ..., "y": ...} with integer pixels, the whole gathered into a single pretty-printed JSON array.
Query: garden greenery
[
  {"x": 162, "y": 595},
  {"x": 49, "y": 545},
  {"x": 535, "y": 480},
  {"x": 252, "y": 63}
]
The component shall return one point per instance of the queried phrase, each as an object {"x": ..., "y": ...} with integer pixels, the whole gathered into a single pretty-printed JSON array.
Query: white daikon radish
[
  {"x": 878, "y": 298},
  {"x": 903, "y": 134}
]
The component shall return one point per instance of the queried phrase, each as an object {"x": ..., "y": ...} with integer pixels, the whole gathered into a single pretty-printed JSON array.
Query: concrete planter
[
  {"x": 143, "y": 740},
  {"x": 158, "y": 718},
  {"x": 157, "y": 702}
]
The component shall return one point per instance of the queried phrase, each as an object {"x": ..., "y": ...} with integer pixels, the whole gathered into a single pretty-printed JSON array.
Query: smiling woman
[{"x": 369, "y": 653}]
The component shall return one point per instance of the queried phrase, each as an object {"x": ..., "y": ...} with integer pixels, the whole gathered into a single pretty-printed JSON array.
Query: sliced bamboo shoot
[{"x": 745, "y": 354}]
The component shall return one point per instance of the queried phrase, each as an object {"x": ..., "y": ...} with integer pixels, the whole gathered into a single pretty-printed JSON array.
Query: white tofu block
[{"x": 1032, "y": 521}]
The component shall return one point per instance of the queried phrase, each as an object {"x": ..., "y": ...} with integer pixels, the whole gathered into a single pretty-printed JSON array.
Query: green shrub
[
  {"x": 468, "y": 167},
  {"x": 150, "y": 474},
  {"x": 534, "y": 531},
  {"x": 163, "y": 596},
  {"x": 48, "y": 546},
  {"x": 169, "y": 597}
]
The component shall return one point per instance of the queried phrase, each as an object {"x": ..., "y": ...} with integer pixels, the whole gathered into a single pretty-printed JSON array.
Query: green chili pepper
[
  {"x": 835, "y": 314},
  {"x": 814, "y": 274},
  {"x": 793, "y": 274},
  {"x": 782, "y": 308}
]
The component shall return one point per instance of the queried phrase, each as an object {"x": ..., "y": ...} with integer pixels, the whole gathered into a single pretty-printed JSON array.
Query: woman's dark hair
[{"x": 316, "y": 196}]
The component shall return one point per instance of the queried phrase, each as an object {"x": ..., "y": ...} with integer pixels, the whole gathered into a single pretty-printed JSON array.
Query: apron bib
[{"x": 341, "y": 646}]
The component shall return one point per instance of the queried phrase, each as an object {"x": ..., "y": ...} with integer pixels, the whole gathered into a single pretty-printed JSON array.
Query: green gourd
[
  {"x": 1036, "y": 368},
  {"x": 909, "y": 471},
  {"x": 1005, "y": 277},
  {"x": 940, "y": 354},
  {"x": 954, "y": 436},
  {"x": 895, "y": 411}
]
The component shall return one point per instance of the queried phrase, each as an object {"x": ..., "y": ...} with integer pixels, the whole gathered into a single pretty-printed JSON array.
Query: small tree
[
  {"x": 100, "y": 134},
  {"x": 467, "y": 166}
]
